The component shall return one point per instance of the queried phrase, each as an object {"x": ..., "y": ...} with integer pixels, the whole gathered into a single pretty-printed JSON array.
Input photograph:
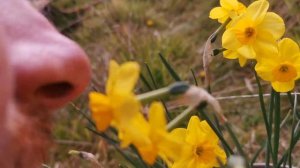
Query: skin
[{"x": 40, "y": 71}]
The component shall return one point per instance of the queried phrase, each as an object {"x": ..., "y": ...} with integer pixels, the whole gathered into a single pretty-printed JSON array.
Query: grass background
[{"x": 139, "y": 30}]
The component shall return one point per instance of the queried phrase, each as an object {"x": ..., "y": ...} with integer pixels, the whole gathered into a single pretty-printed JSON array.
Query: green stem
[
  {"x": 155, "y": 94},
  {"x": 276, "y": 127},
  {"x": 262, "y": 103},
  {"x": 180, "y": 118},
  {"x": 270, "y": 119},
  {"x": 176, "y": 88},
  {"x": 268, "y": 124}
]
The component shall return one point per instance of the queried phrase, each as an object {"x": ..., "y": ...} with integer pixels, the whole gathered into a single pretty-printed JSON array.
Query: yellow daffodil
[
  {"x": 151, "y": 138},
  {"x": 228, "y": 9},
  {"x": 119, "y": 105},
  {"x": 253, "y": 33},
  {"x": 281, "y": 67},
  {"x": 201, "y": 148}
]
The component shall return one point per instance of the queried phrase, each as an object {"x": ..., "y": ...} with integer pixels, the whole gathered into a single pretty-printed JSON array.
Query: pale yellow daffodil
[
  {"x": 118, "y": 105},
  {"x": 253, "y": 33},
  {"x": 201, "y": 146},
  {"x": 228, "y": 9},
  {"x": 281, "y": 67}
]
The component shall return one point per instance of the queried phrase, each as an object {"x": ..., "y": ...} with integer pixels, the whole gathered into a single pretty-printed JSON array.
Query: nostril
[{"x": 55, "y": 90}]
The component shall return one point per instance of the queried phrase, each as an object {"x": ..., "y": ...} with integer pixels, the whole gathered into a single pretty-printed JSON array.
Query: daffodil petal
[
  {"x": 204, "y": 126},
  {"x": 134, "y": 131},
  {"x": 257, "y": 10},
  {"x": 230, "y": 54},
  {"x": 218, "y": 12},
  {"x": 179, "y": 134},
  {"x": 241, "y": 8},
  {"x": 229, "y": 4},
  {"x": 180, "y": 164},
  {"x": 242, "y": 61},
  {"x": 157, "y": 118},
  {"x": 112, "y": 73},
  {"x": 194, "y": 134},
  {"x": 148, "y": 154},
  {"x": 265, "y": 45},
  {"x": 194, "y": 164},
  {"x": 247, "y": 51},
  {"x": 126, "y": 106},
  {"x": 221, "y": 155},
  {"x": 229, "y": 40},
  {"x": 223, "y": 19},
  {"x": 265, "y": 70},
  {"x": 101, "y": 109},
  {"x": 283, "y": 86},
  {"x": 127, "y": 77},
  {"x": 288, "y": 49},
  {"x": 273, "y": 24},
  {"x": 170, "y": 148}
]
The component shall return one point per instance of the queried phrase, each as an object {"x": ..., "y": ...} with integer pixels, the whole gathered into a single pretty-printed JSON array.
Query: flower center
[
  {"x": 246, "y": 35},
  {"x": 284, "y": 72},
  {"x": 198, "y": 151},
  {"x": 249, "y": 32}
]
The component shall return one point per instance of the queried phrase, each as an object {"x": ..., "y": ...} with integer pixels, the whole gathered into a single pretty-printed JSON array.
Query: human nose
[{"x": 50, "y": 70}]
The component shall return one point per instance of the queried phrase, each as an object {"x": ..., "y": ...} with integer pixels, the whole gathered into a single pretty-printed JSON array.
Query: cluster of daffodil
[
  {"x": 195, "y": 146},
  {"x": 251, "y": 33},
  {"x": 254, "y": 33}
]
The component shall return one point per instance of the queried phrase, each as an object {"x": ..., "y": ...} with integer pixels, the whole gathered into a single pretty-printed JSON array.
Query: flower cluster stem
[
  {"x": 276, "y": 127},
  {"x": 268, "y": 123},
  {"x": 175, "y": 89},
  {"x": 155, "y": 94},
  {"x": 180, "y": 118}
]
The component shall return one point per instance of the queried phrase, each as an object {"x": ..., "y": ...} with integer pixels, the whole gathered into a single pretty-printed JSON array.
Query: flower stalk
[
  {"x": 174, "y": 89},
  {"x": 276, "y": 127},
  {"x": 180, "y": 118}
]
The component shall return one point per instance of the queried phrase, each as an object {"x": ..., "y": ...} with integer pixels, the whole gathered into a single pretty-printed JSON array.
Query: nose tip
[{"x": 52, "y": 72}]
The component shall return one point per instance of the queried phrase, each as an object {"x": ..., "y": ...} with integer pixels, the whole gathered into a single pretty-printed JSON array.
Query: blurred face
[{"x": 40, "y": 71}]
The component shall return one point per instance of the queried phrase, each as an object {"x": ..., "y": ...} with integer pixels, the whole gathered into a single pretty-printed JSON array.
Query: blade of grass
[
  {"x": 156, "y": 87},
  {"x": 144, "y": 80},
  {"x": 290, "y": 97},
  {"x": 172, "y": 72},
  {"x": 151, "y": 76},
  {"x": 256, "y": 154},
  {"x": 295, "y": 140},
  {"x": 167, "y": 111},
  {"x": 114, "y": 143},
  {"x": 103, "y": 135},
  {"x": 237, "y": 144},
  {"x": 194, "y": 77},
  {"x": 294, "y": 104}
]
